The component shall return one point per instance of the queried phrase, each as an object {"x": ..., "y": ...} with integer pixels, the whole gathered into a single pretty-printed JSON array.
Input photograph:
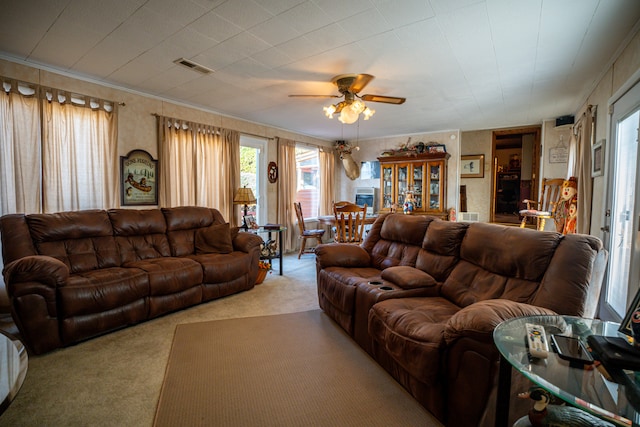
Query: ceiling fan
[{"x": 349, "y": 85}]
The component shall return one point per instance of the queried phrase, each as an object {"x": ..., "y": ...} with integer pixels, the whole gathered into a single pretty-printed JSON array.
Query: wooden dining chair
[
  {"x": 349, "y": 222},
  {"x": 304, "y": 233},
  {"x": 545, "y": 208}
]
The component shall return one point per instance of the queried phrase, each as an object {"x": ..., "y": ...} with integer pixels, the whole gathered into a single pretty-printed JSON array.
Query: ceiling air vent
[{"x": 194, "y": 66}]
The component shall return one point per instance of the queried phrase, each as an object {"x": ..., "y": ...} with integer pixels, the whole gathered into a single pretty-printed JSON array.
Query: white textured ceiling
[{"x": 461, "y": 64}]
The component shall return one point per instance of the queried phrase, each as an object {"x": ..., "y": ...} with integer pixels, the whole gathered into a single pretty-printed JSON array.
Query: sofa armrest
[
  {"x": 35, "y": 268},
  {"x": 341, "y": 255},
  {"x": 477, "y": 321},
  {"x": 32, "y": 283},
  {"x": 245, "y": 242}
]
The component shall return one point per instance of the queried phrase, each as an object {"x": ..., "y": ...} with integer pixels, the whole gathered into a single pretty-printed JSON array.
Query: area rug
[{"x": 297, "y": 369}]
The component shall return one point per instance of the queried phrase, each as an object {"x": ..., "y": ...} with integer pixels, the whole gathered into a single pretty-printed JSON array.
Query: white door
[
  {"x": 623, "y": 276},
  {"x": 252, "y": 166}
]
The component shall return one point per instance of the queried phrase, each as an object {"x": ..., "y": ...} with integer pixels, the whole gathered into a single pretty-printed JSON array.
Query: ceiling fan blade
[
  {"x": 385, "y": 99},
  {"x": 315, "y": 96},
  {"x": 360, "y": 82}
]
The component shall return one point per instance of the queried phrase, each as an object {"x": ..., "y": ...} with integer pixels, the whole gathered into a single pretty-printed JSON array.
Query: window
[{"x": 308, "y": 191}]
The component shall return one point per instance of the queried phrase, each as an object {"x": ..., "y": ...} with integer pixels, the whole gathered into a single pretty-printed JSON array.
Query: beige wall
[{"x": 478, "y": 189}]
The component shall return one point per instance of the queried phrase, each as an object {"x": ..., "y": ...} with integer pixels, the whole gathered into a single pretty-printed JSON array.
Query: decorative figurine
[
  {"x": 544, "y": 415},
  {"x": 572, "y": 216},
  {"x": 568, "y": 192},
  {"x": 409, "y": 203}
]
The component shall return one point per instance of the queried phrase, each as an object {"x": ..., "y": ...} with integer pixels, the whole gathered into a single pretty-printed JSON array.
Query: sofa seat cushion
[
  {"x": 98, "y": 291},
  {"x": 169, "y": 275},
  {"x": 220, "y": 268},
  {"x": 408, "y": 277},
  {"x": 411, "y": 331}
]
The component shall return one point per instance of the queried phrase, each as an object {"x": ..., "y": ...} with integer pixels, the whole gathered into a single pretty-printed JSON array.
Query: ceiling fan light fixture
[
  {"x": 349, "y": 110},
  {"x": 358, "y": 106},
  {"x": 329, "y": 110},
  {"x": 348, "y": 116}
]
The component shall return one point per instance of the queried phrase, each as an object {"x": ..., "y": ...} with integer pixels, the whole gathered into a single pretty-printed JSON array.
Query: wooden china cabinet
[{"x": 424, "y": 174}]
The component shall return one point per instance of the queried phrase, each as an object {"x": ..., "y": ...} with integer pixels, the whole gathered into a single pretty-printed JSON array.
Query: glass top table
[
  {"x": 13, "y": 369},
  {"x": 582, "y": 386}
]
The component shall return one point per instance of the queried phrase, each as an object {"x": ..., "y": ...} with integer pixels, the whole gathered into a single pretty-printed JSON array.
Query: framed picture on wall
[
  {"x": 139, "y": 179},
  {"x": 472, "y": 166},
  {"x": 597, "y": 158}
]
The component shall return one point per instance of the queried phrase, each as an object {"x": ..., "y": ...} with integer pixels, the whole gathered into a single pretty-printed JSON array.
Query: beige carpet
[{"x": 282, "y": 370}]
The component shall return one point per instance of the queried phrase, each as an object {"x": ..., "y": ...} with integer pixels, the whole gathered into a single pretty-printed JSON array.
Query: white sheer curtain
[
  {"x": 199, "y": 165},
  {"x": 20, "y": 142},
  {"x": 176, "y": 151},
  {"x": 327, "y": 186},
  {"x": 80, "y": 152},
  {"x": 218, "y": 169},
  {"x": 287, "y": 188}
]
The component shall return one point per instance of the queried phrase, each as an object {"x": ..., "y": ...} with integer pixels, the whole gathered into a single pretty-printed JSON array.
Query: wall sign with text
[{"x": 139, "y": 179}]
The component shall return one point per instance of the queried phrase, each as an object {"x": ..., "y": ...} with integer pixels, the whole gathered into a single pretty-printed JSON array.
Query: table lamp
[{"x": 244, "y": 196}]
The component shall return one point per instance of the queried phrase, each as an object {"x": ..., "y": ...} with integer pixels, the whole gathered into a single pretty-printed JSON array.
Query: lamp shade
[{"x": 244, "y": 196}]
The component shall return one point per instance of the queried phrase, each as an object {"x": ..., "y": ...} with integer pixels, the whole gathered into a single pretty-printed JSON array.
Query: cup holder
[
  {"x": 375, "y": 283},
  {"x": 386, "y": 288}
]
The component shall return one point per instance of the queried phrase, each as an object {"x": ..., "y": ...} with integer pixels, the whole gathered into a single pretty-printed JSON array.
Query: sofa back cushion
[
  {"x": 500, "y": 262},
  {"x": 396, "y": 239},
  {"x": 139, "y": 234},
  {"x": 441, "y": 248},
  {"x": 83, "y": 240},
  {"x": 184, "y": 224},
  {"x": 573, "y": 280},
  {"x": 16, "y": 238}
]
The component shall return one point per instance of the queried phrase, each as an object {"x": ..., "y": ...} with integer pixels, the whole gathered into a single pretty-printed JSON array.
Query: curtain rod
[{"x": 243, "y": 133}]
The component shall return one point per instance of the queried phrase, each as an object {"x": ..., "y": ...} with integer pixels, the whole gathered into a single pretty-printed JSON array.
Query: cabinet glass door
[
  {"x": 435, "y": 171},
  {"x": 387, "y": 186},
  {"x": 403, "y": 183},
  {"x": 418, "y": 187}
]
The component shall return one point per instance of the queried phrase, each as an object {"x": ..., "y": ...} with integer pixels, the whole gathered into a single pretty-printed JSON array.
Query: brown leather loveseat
[
  {"x": 423, "y": 297},
  {"x": 74, "y": 275}
]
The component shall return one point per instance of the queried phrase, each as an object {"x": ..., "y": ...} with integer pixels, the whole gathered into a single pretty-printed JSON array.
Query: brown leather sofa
[
  {"x": 73, "y": 275},
  {"x": 423, "y": 297}
]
